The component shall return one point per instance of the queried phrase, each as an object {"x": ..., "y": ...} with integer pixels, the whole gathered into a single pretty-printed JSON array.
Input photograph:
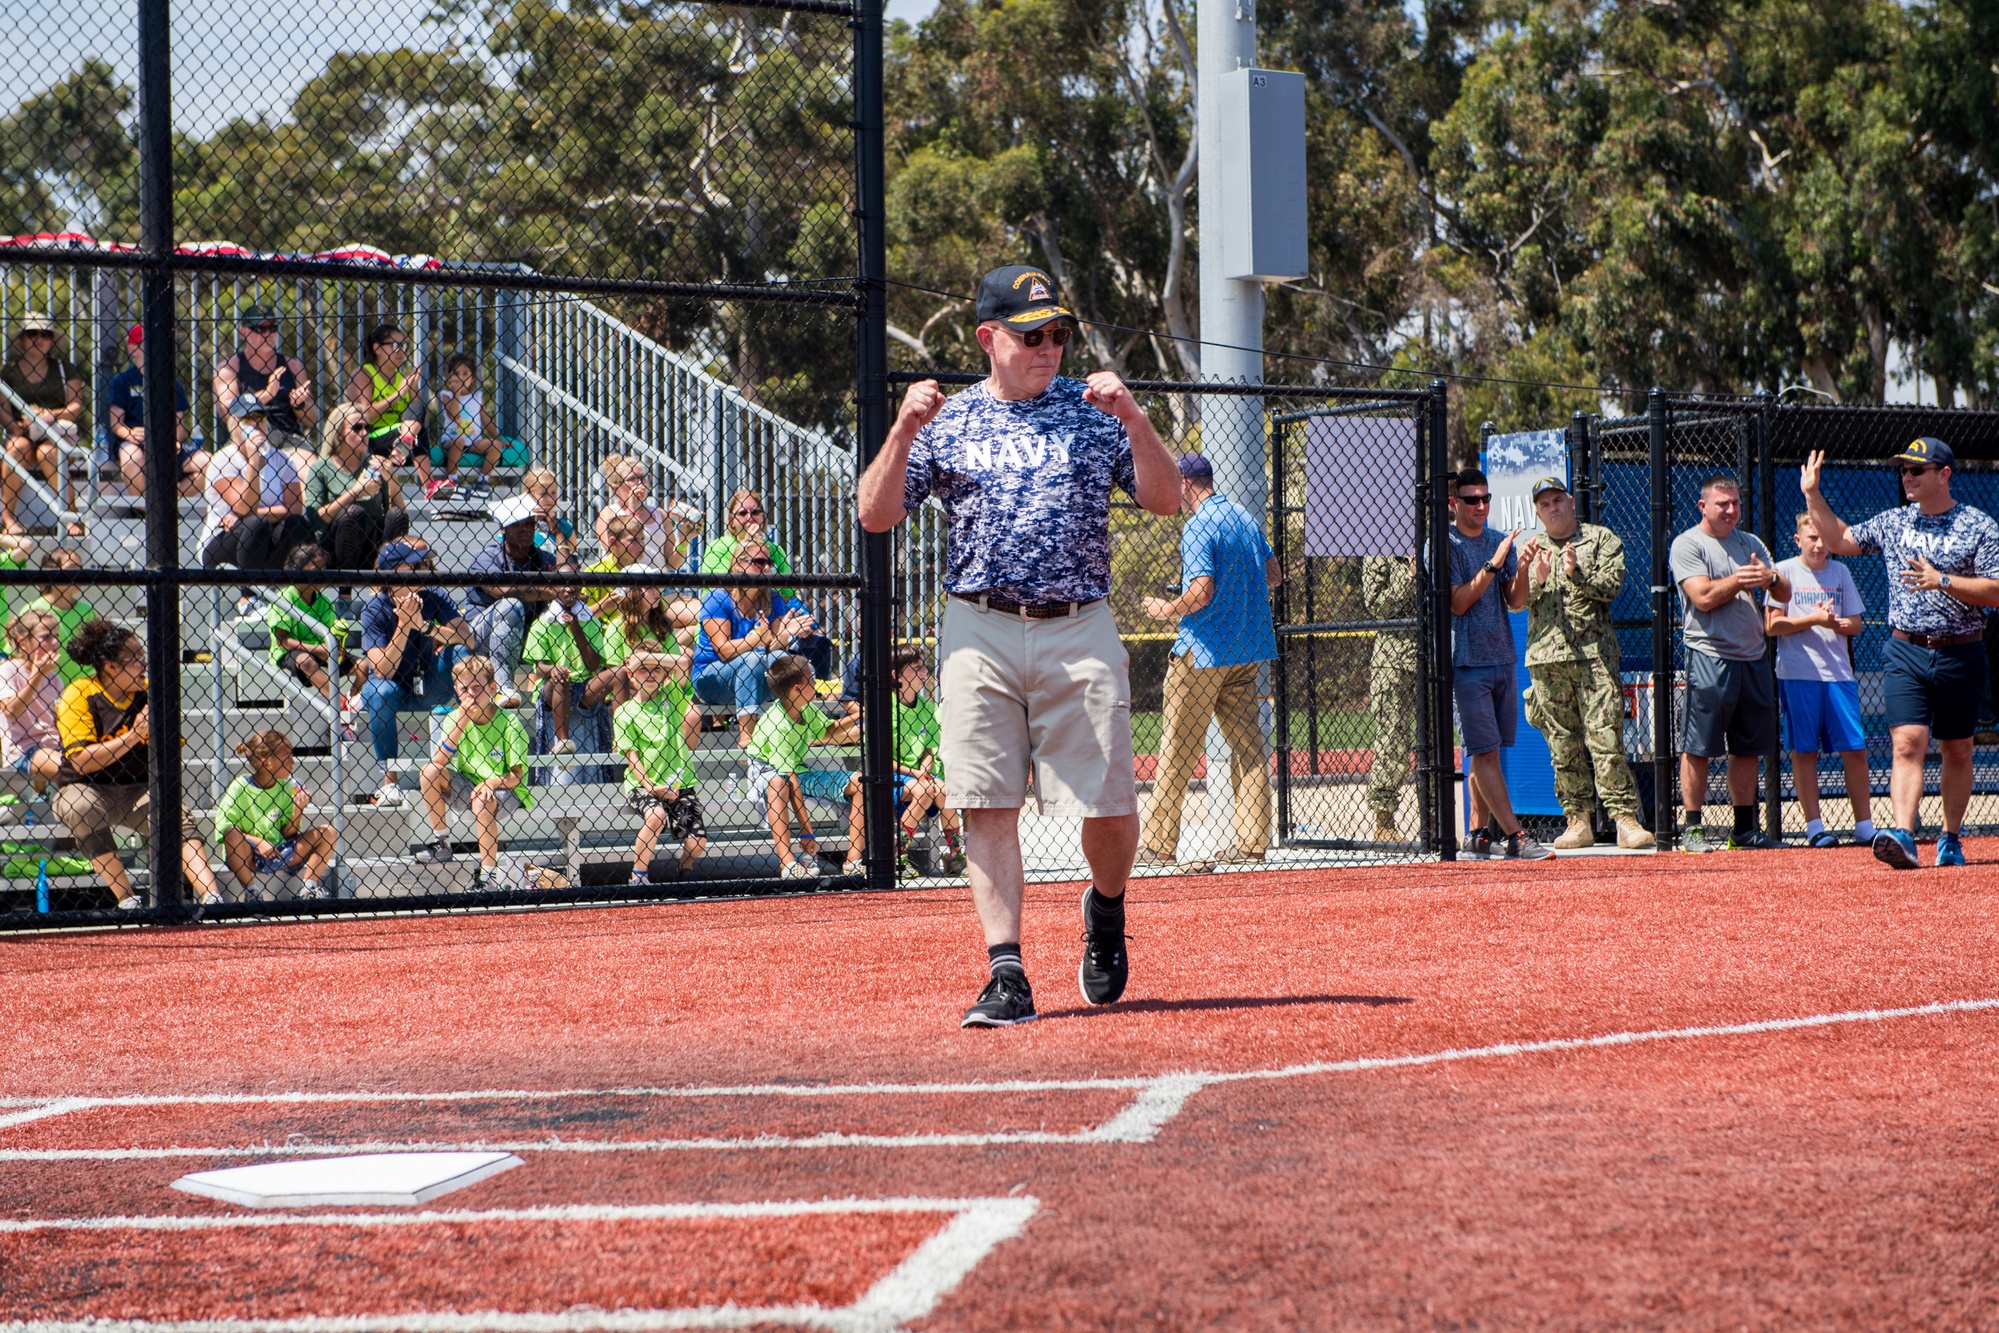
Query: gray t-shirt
[
  {"x": 1733, "y": 630},
  {"x": 1483, "y": 635}
]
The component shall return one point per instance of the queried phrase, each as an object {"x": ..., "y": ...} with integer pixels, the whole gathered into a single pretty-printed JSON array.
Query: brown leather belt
[
  {"x": 1027, "y": 610},
  {"x": 1936, "y": 640}
]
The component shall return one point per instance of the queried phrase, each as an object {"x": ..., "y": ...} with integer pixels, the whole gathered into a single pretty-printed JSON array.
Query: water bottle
[{"x": 42, "y": 887}]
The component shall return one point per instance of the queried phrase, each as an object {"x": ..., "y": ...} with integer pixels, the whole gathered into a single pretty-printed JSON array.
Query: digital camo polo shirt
[
  {"x": 1961, "y": 540},
  {"x": 1026, "y": 490}
]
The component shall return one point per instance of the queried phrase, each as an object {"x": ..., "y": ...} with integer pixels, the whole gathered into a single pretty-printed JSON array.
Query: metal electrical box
[{"x": 1262, "y": 213}]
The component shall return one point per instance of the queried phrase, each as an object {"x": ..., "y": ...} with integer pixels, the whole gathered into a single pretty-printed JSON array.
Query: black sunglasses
[
  {"x": 1059, "y": 335},
  {"x": 1918, "y": 471},
  {"x": 750, "y": 513},
  {"x": 756, "y": 564},
  {"x": 1474, "y": 499}
]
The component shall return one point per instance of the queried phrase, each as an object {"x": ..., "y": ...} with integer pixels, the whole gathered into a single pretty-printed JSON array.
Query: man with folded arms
[{"x": 1943, "y": 566}]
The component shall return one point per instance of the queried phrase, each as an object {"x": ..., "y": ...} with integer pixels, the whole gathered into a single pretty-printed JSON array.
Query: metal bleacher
[{"x": 574, "y": 384}]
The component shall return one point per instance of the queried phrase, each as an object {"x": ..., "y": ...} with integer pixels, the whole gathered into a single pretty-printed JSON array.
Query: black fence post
[
  {"x": 871, "y": 403},
  {"x": 1280, "y": 678},
  {"x": 1766, "y": 528},
  {"x": 1426, "y": 725},
  {"x": 1444, "y": 756},
  {"x": 1663, "y": 803},
  {"x": 156, "y": 302},
  {"x": 1580, "y": 456}
]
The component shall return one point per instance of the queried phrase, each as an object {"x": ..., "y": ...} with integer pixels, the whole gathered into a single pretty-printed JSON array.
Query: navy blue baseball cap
[
  {"x": 1927, "y": 449},
  {"x": 1194, "y": 465},
  {"x": 1020, "y": 297},
  {"x": 397, "y": 554}
]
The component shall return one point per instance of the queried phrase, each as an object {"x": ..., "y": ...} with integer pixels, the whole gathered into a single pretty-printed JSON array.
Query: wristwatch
[
  {"x": 1491, "y": 568},
  {"x": 1943, "y": 583}
]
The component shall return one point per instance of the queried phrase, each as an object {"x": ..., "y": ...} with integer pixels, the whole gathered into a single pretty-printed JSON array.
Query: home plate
[{"x": 378, "y": 1178}]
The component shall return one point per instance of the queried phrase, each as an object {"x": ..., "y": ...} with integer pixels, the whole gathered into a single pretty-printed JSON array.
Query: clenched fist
[
  {"x": 1106, "y": 392},
  {"x": 921, "y": 402}
]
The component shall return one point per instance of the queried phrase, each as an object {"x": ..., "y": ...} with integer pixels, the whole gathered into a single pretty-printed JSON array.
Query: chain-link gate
[{"x": 517, "y": 396}]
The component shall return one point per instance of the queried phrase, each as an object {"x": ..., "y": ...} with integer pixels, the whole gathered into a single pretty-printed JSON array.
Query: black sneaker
[
  {"x": 1478, "y": 847},
  {"x": 438, "y": 851},
  {"x": 1105, "y": 966},
  {"x": 1756, "y": 840},
  {"x": 1006, "y": 1000}
]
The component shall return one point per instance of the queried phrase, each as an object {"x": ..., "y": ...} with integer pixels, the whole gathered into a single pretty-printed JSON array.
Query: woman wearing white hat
[{"x": 52, "y": 391}]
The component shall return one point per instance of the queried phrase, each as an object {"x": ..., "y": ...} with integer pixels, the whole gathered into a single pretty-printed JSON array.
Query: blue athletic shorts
[
  {"x": 1822, "y": 716},
  {"x": 283, "y": 859},
  {"x": 1938, "y": 688},
  {"x": 1488, "y": 707}
]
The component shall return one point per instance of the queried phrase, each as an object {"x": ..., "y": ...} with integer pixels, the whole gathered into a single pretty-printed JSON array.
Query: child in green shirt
[
  {"x": 778, "y": 750},
  {"x": 66, "y": 602},
  {"x": 480, "y": 765},
  {"x": 577, "y": 659},
  {"x": 258, "y": 819},
  {"x": 660, "y": 777},
  {"x": 919, "y": 773},
  {"x": 301, "y": 622}
]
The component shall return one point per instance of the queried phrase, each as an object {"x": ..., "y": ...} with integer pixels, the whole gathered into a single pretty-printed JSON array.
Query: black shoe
[
  {"x": 438, "y": 851},
  {"x": 1005, "y": 1001},
  {"x": 1478, "y": 847},
  {"x": 1105, "y": 966},
  {"x": 1756, "y": 840}
]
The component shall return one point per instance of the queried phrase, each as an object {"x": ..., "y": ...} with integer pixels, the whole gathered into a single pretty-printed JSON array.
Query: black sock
[
  {"x": 1691, "y": 819},
  {"x": 1493, "y": 830},
  {"x": 1105, "y": 914},
  {"x": 1745, "y": 819},
  {"x": 1003, "y": 956}
]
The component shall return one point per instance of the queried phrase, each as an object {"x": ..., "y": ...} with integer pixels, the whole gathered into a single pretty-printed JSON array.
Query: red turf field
[{"x": 758, "y": 1113}]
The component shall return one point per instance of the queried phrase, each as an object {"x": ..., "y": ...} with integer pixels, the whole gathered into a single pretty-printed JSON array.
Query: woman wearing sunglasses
[{"x": 742, "y": 630}]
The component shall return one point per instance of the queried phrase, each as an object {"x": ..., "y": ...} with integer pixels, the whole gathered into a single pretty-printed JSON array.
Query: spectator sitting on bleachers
[
  {"x": 259, "y": 822},
  {"x": 624, "y": 545},
  {"x": 301, "y": 621},
  {"x": 919, "y": 775},
  {"x": 256, "y": 501},
  {"x": 104, "y": 727},
  {"x": 353, "y": 498},
  {"x": 411, "y": 638},
  {"x": 392, "y": 399},
  {"x": 257, "y": 371},
  {"x": 125, "y": 419},
  {"x": 30, "y": 688},
  {"x": 659, "y": 781},
  {"x": 500, "y": 612},
  {"x": 665, "y": 531},
  {"x": 552, "y": 531},
  {"x": 748, "y": 522},
  {"x": 743, "y": 630},
  {"x": 65, "y": 602},
  {"x": 576, "y": 669},
  {"x": 466, "y": 427},
  {"x": 480, "y": 764},
  {"x": 52, "y": 388},
  {"x": 778, "y": 770},
  {"x": 643, "y": 615}
]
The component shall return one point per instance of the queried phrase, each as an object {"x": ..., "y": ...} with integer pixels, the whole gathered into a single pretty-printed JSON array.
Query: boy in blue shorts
[
  {"x": 919, "y": 773},
  {"x": 1814, "y": 632},
  {"x": 778, "y": 750}
]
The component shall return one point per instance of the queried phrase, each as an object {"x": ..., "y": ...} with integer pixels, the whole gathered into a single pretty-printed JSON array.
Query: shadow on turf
[{"x": 1221, "y": 1002}]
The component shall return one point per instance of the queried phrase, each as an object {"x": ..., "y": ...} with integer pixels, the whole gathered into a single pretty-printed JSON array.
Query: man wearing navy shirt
[
  {"x": 125, "y": 419},
  {"x": 1943, "y": 566},
  {"x": 1034, "y": 678},
  {"x": 1227, "y": 571}
]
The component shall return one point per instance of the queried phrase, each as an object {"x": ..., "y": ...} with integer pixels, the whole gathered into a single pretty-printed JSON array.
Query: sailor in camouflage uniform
[
  {"x": 1388, "y": 591},
  {"x": 1577, "y": 698}
]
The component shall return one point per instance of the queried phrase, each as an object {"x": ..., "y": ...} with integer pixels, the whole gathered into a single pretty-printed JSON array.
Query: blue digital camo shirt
[
  {"x": 1961, "y": 540},
  {"x": 1026, "y": 490}
]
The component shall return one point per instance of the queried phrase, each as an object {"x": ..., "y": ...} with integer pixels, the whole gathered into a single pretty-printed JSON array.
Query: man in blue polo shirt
[
  {"x": 1226, "y": 573},
  {"x": 1943, "y": 570}
]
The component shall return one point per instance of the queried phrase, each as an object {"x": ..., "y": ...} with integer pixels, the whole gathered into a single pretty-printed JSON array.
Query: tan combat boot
[
  {"x": 1384, "y": 828},
  {"x": 1578, "y": 834},
  {"x": 1631, "y": 833}
]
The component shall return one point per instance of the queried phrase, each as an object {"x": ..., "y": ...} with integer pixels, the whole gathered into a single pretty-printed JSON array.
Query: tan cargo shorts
[{"x": 1049, "y": 699}]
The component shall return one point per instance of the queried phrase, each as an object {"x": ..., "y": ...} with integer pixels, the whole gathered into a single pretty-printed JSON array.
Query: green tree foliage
[{"x": 1721, "y": 194}]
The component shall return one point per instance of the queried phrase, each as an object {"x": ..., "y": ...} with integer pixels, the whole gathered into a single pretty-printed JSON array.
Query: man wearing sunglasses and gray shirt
[{"x": 1033, "y": 676}]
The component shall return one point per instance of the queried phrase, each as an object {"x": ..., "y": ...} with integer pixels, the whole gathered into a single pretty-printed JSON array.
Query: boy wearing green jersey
[
  {"x": 480, "y": 765},
  {"x": 778, "y": 750},
  {"x": 919, "y": 775},
  {"x": 660, "y": 778},
  {"x": 301, "y": 621},
  {"x": 578, "y": 659}
]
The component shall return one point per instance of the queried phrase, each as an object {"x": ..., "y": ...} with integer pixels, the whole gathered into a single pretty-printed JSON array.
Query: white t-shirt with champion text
[{"x": 1817, "y": 653}]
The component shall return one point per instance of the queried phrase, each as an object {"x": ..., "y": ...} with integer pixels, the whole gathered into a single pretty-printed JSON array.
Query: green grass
[{"x": 1337, "y": 731}]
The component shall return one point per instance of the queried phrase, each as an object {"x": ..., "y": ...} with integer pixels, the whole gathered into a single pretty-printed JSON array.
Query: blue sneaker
[
  {"x": 1896, "y": 848},
  {"x": 1950, "y": 852}
]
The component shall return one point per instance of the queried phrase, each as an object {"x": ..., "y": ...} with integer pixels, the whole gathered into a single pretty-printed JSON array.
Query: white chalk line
[
  {"x": 1158, "y": 1099},
  {"x": 908, "y": 1291}
]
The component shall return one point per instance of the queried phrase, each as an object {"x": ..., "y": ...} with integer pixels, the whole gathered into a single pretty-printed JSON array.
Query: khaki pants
[
  {"x": 91, "y": 812},
  {"x": 1192, "y": 696}
]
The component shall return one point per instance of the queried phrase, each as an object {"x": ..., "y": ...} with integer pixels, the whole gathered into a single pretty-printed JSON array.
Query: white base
[{"x": 405, "y": 1178}]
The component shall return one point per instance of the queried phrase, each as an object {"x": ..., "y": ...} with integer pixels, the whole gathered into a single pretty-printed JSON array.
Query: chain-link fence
[
  {"x": 1641, "y": 476},
  {"x": 513, "y": 441}
]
